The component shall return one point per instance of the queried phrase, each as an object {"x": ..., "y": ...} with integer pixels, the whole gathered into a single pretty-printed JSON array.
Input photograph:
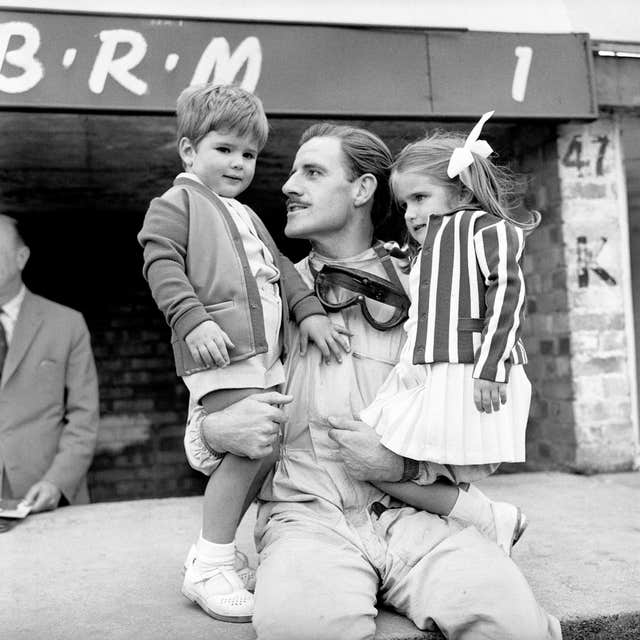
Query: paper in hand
[{"x": 13, "y": 509}]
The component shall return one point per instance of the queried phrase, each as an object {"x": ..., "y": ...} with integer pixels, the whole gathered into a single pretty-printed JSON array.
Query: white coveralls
[{"x": 326, "y": 559}]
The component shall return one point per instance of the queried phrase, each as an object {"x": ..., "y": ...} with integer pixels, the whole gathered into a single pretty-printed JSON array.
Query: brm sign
[
  {"x": 107, "y": 63},
  {"x": 216, "y": 63}
]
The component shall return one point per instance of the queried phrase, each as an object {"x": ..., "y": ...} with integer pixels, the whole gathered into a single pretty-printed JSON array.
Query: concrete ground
[{"x": 112, "y": 570}]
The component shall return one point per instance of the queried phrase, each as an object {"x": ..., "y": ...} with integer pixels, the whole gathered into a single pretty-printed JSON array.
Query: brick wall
[
  {"x": 142, "y": 406},
  {"x": 550, "y": 432}
]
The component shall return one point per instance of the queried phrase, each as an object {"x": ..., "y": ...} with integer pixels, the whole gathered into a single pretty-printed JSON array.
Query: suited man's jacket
[{"x": 48, "y": 401}]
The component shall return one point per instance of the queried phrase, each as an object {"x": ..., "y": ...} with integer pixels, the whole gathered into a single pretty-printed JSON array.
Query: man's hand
[
  {"x": 249, "y": 428},
  {"x": 488, "y": 394},
  {"x": 330, "y": 338},
  {"x": 208, "y": 344},
  {"x": 364, "y": 456},
  {"x": 43, "y": 496}
]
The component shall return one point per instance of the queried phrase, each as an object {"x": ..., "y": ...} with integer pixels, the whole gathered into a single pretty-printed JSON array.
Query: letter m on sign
[{"x": 217, "y": 60}]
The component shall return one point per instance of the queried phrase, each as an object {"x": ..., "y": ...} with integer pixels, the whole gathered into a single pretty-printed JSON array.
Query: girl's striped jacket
[{"x": 471, "y": 296}]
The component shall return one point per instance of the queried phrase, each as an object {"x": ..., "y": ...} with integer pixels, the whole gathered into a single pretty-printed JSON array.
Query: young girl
[{"x": 459, "y": 397}]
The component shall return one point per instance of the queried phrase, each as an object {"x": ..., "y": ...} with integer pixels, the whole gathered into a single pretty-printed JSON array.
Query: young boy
[{"x": 226, "y": 292}]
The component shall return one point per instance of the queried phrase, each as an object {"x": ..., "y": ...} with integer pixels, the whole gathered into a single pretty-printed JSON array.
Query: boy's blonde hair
[{"x": 204, "y": 108}]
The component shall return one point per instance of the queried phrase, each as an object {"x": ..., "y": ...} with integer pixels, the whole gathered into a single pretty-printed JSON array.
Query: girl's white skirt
[{"x": 426, "y": 412}]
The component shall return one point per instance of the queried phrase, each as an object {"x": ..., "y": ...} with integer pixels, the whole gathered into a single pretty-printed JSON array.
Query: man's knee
[
  {"x": 471, "y": 589},
  {"x": 528, "y": 622},
  {"x": 312, "y": 585},
  {"x": 516, "y": 613},
  {"x": 308, "y": 612},
  {"x": 287, "y": 624}
]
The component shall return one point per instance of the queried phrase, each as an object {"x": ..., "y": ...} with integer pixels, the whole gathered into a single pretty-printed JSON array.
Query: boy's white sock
[
  {"x": 473, "y": 507},
  {"x": 212, "y": 555},
  {"x": 214, "y": 564}
]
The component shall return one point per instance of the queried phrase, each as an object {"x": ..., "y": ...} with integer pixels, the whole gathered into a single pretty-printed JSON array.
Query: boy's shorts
[{"x": 262, "y": 371}]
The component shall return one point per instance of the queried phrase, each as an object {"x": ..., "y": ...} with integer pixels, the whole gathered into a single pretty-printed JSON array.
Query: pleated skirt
[{"x": 427, "y": 412}]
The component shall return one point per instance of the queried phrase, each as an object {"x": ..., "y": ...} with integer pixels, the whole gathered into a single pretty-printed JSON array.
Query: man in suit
[{"x": 48, "y": 389}]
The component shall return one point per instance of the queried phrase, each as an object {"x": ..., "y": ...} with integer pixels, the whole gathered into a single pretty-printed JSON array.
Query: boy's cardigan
[
  {"x": 471, "y": 296},
  {"x": 197, "y": 268}
]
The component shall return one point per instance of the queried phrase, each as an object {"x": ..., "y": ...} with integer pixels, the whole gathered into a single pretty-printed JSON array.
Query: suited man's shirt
[{"x": 10, "y": 312}]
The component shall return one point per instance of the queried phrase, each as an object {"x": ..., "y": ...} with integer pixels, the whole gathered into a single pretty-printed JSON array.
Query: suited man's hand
[{"x": 43, "y": 496}]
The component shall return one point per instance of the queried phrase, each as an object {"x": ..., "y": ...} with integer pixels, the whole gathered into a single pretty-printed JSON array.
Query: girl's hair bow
[{"x": 462, "y": 157}]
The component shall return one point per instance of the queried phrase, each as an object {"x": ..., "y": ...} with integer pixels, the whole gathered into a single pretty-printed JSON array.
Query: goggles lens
[{"x": 383, "y": 305}]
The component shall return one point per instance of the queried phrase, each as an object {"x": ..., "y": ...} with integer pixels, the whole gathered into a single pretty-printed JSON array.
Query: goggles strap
[{"x": 387, "y": 263}]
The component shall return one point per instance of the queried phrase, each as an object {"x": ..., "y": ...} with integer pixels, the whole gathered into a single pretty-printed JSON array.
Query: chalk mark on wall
[
  {"x": 603, "y": 143},
  {"x": 587, "y": 258},
  {"x": 573, "y": 156}
]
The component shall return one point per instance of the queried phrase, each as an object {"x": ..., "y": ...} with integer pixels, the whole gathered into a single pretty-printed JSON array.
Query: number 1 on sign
[{"x": 521, "y": 73}]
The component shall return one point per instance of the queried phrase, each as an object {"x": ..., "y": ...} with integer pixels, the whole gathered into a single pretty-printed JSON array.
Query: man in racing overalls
[{"x": 332, "y": 545}]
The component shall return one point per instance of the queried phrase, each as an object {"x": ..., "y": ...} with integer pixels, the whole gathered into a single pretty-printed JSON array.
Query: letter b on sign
[{"x": 23, "y": 57}]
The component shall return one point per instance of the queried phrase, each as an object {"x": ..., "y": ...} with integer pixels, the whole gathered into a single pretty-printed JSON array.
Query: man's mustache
[{"x": 291, "y": 201}]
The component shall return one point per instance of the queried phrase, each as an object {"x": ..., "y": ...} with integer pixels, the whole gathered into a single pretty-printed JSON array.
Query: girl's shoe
[
  {"x": 510, "y": 523},
  {"x": 501, "y": 521},
  {"x": 219, "y": 592}
]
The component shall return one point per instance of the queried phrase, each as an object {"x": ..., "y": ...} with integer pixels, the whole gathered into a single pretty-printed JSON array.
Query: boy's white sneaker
[
  {"x": 219, "y": 592},
  {"x": 241, "y": 566}
]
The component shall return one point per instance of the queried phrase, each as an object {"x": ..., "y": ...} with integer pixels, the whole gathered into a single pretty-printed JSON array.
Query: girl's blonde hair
[{"x": 494, "y": 189}]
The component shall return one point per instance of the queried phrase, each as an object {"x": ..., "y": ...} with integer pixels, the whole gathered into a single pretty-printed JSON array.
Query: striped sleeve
[{"x": 498, "y": 250}]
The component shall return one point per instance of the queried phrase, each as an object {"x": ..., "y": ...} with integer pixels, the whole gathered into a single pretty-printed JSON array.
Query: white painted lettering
[
  {"x": 171, "y": 61},
  {"x": 119, "y": 68},
  {"x": 216, "y": 59},
  {"x": 69, "y": 57},
  {"x": 23, "y": 57},
  {"x": 521, "y": 73}
]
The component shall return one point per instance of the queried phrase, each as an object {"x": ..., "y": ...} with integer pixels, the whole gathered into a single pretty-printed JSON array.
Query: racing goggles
[{"x": 383, "y": 304}]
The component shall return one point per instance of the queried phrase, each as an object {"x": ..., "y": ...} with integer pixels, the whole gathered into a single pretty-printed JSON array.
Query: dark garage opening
[{"x": 80, "y": 183}]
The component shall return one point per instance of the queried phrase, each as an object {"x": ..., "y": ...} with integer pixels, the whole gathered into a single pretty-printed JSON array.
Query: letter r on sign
[{"x": 119, "y": 68}]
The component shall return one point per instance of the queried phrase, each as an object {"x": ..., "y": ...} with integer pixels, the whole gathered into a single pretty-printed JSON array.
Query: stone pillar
[{"x": 599, "y": 317}]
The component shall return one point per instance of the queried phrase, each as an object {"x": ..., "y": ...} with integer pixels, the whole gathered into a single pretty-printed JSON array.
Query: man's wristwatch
[{"x": 411, "y": 470}]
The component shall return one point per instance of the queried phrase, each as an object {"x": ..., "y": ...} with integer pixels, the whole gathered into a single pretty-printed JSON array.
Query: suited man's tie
[{"x": 4, "y": 347}]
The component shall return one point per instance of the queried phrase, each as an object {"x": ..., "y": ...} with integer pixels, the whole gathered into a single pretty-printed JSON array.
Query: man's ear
[
  {"x": 187, "y": 151},
  {"x": 366, "y": 186},
  {"x": 22, "y": 257}
]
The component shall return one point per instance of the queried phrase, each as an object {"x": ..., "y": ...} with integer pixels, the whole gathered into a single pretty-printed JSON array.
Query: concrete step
[{"x": 112, "y": 570}]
